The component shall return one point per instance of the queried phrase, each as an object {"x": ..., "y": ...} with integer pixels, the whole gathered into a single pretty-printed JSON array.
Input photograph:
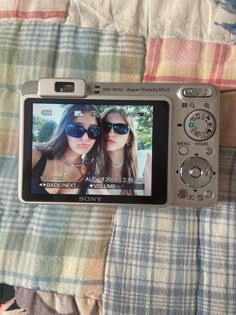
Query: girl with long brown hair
[
  {"x": 120, "y": 146},
  {"x": 72, "y": 154}
]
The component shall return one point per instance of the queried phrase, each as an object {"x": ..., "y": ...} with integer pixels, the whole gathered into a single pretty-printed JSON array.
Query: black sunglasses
[
  {"x": 120, "y": 129},
  {"x": 77, "y": 131}
]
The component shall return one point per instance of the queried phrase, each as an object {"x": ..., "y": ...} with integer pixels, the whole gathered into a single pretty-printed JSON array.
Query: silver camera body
[{"x": 192, "y": 139}]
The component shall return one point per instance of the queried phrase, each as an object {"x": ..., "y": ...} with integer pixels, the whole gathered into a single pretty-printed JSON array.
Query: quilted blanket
[{"x": 93, "y": 260}]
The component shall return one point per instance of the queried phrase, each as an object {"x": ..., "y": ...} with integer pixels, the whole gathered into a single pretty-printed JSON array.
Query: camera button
[
  {"x": 209, "y": 194},
  {"x": 200, "y": 197},
  {"x": 197, "y": 92},
  {"x": 200, "y": 125},
  {"x": 182, "y": 193},
  {"x": 195, "y": 172},
  {"x": 183, "y": 150},
  {"x": 190, "y": 197},
  {"x": 209, "y": 151}
]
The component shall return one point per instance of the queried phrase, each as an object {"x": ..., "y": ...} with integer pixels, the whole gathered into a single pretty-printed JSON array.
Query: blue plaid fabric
[
  {"x": 175, "y": 260},
  {"x": 59, "y": 248}
]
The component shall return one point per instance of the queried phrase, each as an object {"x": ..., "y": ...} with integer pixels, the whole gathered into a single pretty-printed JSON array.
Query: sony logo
[{"x": 89, "y": 199}]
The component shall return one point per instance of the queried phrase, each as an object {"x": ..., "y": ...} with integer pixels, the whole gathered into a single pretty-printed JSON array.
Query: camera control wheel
[
  {"x": 196, "y": 172},
  {"x": 200, "y": 125}
]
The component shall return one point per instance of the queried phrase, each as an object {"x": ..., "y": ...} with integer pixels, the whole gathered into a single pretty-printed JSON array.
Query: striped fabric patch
[
  {"x": 175, "y": 260},
  {"x": 32, "y": 50},
  {"x": 28, "y": 9},
  {"x": 176, "y": 60},
  {"x": 54, "y": 248}
]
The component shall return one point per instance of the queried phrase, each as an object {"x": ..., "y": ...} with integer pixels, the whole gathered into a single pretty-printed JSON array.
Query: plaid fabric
[
  {"x": 179, "y": 260},
  {"x": 175, "y": 260},
  {"x": 176, "y": 60},
  {"x": 54, "y": 248},
  {"x": 164, "y": 261}
]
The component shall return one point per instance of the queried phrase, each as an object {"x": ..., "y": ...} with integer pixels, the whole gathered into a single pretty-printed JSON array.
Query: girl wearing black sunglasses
[
  {"x": 72, "y": 154},
  {"x": 120, "y": 148},
  {"x": 123, "y": 162}
]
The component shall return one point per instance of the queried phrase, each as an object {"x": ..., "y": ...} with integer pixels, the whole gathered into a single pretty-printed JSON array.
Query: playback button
[{"x": 209, "y": 151}]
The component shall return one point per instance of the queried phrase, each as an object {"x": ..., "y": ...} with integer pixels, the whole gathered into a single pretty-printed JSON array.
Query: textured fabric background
[
  {"x": 160, "y": 261},
  {"x": 54, "y": 248},
  {"x": 48, "y": 303},
  {"x": 178, "y": 60},
  {"x": 175, "y": 260}
]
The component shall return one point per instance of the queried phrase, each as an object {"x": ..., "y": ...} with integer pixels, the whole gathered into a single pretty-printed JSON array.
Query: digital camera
[{"x": 150, "y": 144}]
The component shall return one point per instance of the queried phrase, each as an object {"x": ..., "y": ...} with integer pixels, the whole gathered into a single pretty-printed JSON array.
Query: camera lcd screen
[{"x": 105, "y": 151}]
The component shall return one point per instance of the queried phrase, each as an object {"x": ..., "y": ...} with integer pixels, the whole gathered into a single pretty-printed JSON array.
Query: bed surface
[{"x": 92, "y": 260}]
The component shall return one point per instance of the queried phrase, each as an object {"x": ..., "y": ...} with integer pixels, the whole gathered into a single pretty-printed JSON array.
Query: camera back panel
[{"x": 185, "y": 142}]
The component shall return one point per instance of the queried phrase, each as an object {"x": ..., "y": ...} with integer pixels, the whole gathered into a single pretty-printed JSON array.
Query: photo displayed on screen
[{"x": 92, "y": 149}]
